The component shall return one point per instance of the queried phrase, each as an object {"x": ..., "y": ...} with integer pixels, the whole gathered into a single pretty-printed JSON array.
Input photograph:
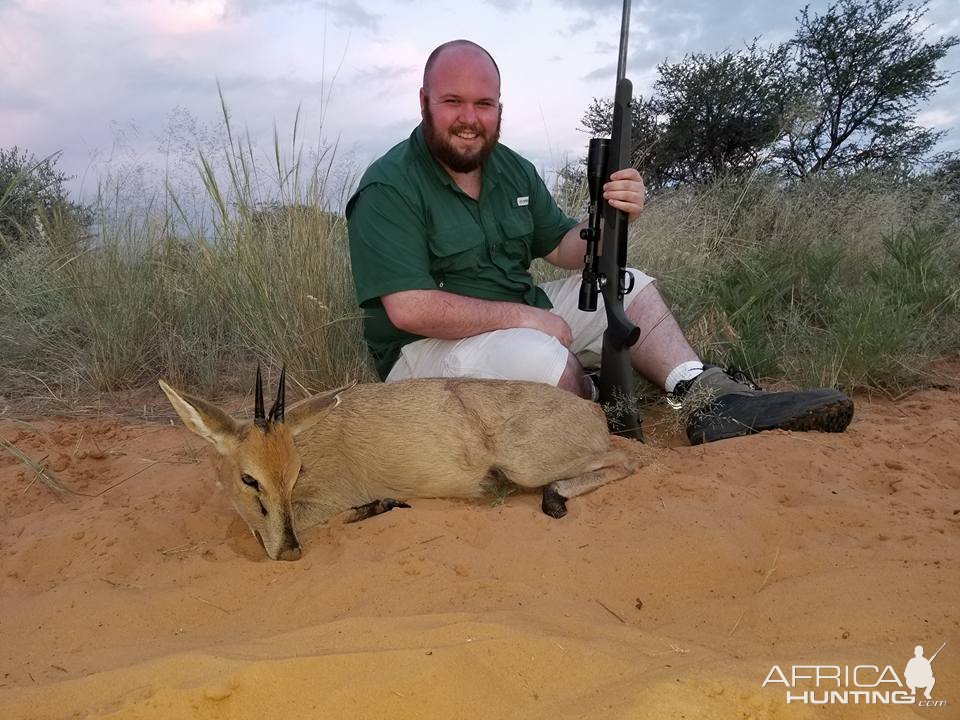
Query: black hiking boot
[{"x": 726, "y": 403}]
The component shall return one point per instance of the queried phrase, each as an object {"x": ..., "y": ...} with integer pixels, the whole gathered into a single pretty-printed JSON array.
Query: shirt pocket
[
  {"x": 517, "y": 230},
  {"x": 455, "y": 249}
]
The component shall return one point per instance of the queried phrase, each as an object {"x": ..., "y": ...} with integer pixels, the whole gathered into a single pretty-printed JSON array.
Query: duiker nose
[{"x": 293, "y": 553}]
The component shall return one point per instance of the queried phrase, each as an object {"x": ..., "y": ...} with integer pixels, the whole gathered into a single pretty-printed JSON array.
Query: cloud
[
  {"x": 24, "y": 100},
  {"x": 940, "y": 117},
  {"x": 662, "y": 30},
  {"x": 344, "y": 13},
  {"x": 126, "y": 61},
  {"x": 383, "y": 75},
  {"x": 350, "y": 14},
  {"x": 510, "y": 5},
  {"x": 602, "y": 73},
  {"x": 592, "y": 5}
]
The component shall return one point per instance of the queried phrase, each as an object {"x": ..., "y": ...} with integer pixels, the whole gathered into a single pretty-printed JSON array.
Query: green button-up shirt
[{"x": 411, "y": 227}]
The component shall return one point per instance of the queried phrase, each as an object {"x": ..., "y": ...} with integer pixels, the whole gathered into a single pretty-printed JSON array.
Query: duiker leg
[
  {"x": 376, "y": 507},
  {"x": 610, "y": 466}
]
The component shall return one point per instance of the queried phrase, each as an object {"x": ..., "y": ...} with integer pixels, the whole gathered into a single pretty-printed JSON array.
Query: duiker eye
[{"x": 250, "y": 482}]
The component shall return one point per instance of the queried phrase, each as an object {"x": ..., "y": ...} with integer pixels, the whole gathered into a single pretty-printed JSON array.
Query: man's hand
[
  {"x": 551, "y": 324},
  {"x": 626, "y": 192}
]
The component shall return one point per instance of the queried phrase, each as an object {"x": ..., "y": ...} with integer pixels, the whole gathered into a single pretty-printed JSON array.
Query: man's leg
[
  {"x": 662, "y": 347},
  {"x": 721, "y": 404},
  {"x": 662, "y": 355},
  {"x": 575, "y": 380}
]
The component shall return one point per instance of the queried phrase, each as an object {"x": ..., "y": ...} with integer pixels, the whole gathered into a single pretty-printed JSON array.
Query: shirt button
[{"x": 440, "y": 284}]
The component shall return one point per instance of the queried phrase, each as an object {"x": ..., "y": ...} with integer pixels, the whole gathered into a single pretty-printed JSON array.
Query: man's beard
[{"x": 442, "y": 149}]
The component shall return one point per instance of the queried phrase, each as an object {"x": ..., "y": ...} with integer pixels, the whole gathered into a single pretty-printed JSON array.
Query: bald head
[{"x": 456, "y": 51}]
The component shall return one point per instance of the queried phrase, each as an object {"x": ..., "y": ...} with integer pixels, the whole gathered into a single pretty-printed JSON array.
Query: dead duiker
[{"x": 369, "y": 447}]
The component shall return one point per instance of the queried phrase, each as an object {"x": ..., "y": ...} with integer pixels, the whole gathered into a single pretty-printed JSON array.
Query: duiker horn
[
  {"x": 258, "y": 417},
  {"x": 276, "y": 412}
]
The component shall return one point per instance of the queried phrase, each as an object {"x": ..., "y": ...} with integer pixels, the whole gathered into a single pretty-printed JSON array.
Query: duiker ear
[
  {"x": 205, "y": 419},
  {"x": 308, "y": 411}
]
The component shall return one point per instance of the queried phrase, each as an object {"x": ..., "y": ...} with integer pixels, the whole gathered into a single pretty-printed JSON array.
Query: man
[
  {"x": 919, "y": 672},
  {"x": 442, "y": 232}
]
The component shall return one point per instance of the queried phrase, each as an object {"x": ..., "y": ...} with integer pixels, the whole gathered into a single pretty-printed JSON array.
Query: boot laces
[
  {"x": 675, "y": 399},
  {"x": 738, "y": 375}
]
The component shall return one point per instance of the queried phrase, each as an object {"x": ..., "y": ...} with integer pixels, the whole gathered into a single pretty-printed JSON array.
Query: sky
[{"x": 131, "y": 84}]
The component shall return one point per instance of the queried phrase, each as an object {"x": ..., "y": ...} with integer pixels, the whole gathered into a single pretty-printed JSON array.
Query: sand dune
[{"x": 669, "y": 594}]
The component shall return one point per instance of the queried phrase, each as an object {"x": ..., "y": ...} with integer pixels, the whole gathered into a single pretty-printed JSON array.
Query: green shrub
[
  {"x": 827, "y": 281},
  {"x": 852, "y": 282}
]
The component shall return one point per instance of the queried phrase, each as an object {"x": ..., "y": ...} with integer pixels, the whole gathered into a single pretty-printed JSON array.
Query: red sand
[{"x": 669, "y": 594}]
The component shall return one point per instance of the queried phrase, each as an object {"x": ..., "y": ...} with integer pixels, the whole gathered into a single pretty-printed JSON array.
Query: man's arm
[
  {"x": 626, "y": 192},
  {"x": 570, "y": 252},
  {"x": 439, "y": 314}
]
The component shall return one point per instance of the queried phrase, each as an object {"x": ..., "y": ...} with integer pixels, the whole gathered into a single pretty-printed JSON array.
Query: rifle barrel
[
  {"x": 937, "y": 652},
  {"x": 624, "y": 41}
]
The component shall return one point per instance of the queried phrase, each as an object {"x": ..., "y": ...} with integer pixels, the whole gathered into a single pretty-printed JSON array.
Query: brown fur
[{"x": 419, "y": 438}]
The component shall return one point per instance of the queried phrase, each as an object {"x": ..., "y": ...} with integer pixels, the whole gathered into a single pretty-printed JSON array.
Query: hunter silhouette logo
[
  {"x": 919, "y": 672},
  {"x": 864, "y": 684}
]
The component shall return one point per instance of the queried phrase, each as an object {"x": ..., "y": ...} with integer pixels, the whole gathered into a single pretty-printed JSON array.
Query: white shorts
[{"x": 517, "y": 353}]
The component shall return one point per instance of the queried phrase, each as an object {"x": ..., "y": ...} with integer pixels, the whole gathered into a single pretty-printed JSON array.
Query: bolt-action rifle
[{"x": 605, "y": 271}]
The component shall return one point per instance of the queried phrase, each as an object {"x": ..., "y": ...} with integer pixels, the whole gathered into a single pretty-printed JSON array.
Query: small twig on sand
[
  {"x": 185, "y": 548},
  {"x": 43, "y": 474},
  {"x": 610, "y": 611},
  {"x": 76, "y": 447},
  {"x": 129, "y": 586},
  {"x": 36, "y": 476},
  {"x": 674, "y": 649},
  {"x": 771, "y": 571},
  {"x": 736, "y": 624},
  {"x": 117, "y": 483},
  {"x": 27, "y": 426},
  {"x": 207, "y": 602},
  {"x": 766, "y": 579}
]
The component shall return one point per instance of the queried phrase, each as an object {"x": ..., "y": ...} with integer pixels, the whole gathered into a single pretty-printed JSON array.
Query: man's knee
[
  {"x": 575, "y": 380},
  {"x": 513, "y": 354}
]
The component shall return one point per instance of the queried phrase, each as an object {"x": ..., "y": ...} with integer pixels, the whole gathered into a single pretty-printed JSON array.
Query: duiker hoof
[{"x": 554, "y": 504}]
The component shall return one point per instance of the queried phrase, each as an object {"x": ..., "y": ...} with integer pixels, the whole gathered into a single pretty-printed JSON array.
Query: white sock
[{"x": 684, "y": 371}]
